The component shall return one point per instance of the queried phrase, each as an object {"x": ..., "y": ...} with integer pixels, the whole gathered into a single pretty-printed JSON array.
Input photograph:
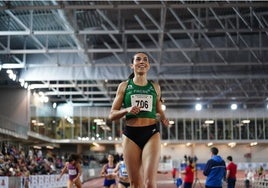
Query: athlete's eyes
[{"x": 139, "y": 59}]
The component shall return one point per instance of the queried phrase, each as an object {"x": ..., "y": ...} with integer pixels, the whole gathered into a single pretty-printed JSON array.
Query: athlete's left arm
[
  {"x": 159, "y": 109},
  {"x": 78, "y": 165},
  {"x": 116, "y": 169}
]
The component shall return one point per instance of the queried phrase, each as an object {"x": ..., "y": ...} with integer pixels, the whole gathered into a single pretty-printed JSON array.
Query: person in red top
[
  {"x": 188, "y": 174},
  {"x": 174, "y": 172},
  {"x": 231, "y": 172}
]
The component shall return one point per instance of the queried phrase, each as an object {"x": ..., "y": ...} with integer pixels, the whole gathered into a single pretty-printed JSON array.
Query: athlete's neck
[{"x": 140, "y": 80}]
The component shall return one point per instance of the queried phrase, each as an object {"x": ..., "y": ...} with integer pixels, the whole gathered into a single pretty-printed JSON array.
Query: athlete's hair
[
  {"x": 73, "y": 157},
  {"x": 214, "y": 150},
  {"x": 230, "y": 158},
  {"x": 131, "y": 76}
]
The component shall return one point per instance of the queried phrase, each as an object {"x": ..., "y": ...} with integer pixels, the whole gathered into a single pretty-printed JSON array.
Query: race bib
[
  {"x": 145, "y": 102},
  {"x": 72, "y": 172},
  {"x": 110, "y": 171},
  {"x": 124, "y": 171}
]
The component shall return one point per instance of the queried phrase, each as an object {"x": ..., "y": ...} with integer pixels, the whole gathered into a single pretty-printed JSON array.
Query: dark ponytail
[{"x": 131, "y": 76}]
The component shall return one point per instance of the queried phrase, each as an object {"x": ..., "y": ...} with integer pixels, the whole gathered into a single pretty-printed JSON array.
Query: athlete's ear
[
  {"x": 131, "y": 66},
  {"x": 149, "y": 66}
]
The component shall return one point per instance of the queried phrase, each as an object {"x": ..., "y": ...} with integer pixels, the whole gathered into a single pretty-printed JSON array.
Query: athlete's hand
[
  {"x": 165, "y": 122},
  {"x": 134, "y": 110}
]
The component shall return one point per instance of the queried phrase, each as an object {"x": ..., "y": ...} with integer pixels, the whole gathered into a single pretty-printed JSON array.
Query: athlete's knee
[{"x": 135, "y": 184}]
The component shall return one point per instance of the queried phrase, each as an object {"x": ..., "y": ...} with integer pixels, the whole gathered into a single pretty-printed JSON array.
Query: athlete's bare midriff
[
  {"x": 140, "y": 122},
  {"x": 124, "y": 179}
]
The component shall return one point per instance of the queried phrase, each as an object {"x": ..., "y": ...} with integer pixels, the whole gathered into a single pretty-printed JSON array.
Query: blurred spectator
[
  {"x": 13, "y": 162},
  {"x": 231, "y": 172},
  {"x": 260, "y": 171},
  {"x": 174, "y": 174},
  {"x": 188, "y": 174},
  {"x": 249, "y": 174},
  {"x": 215, "y": 170}
]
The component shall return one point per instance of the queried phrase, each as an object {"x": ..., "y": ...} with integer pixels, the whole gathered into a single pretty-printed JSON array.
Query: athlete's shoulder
[
  {"x": 124, "y": 83},
  {"x": 122, "y": 86},
  {"x": 156, "y": 86}
]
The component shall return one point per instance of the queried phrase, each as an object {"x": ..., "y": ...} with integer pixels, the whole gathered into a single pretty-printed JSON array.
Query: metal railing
[
  {"x": 46, "y": 181},
  {"x": 8, "y": 127}
]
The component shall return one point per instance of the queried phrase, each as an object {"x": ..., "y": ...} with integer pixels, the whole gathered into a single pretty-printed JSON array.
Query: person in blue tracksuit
[{"x": 215, "y": 170}]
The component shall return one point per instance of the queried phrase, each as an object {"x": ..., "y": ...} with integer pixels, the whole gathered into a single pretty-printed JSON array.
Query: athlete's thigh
[
  {"x": 151, "y": 155},
  {"x": 78, "y": 184},
  {"x": 132, "y": 157},
  {"x": 119, "y": 185},
  {"x": 70, "y": 184}
]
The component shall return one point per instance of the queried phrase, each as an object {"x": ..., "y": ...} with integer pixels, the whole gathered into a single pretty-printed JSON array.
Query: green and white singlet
[{"x": 143, "y": 96}]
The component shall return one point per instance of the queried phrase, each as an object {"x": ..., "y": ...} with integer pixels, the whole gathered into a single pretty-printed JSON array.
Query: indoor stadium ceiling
[{"x": 214, "y": 52}]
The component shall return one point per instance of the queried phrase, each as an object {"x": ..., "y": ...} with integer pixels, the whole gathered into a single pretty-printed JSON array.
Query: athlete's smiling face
[{"x": 140, "y": 63}]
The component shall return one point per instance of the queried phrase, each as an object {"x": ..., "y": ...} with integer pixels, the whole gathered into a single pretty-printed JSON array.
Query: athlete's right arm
[
  {"x": 63, "y": 170},
  {"x": 102, "y": 174},
  {"x": 116, "y": 111}
]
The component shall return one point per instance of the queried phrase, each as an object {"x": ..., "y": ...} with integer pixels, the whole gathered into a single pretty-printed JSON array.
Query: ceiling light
[
  {"x": 49, "y": 147},
  {"x": 95, "y": 144},
  {"x": 12, "y": 66},
  {"x": 46, "y": 99},
  {"x": 234, "y": 106},
  {"x": 198, "y": 107},
  {"x": 253, "y": 143},
  {"x": 245, "y": 121},
  {"x": 9, "y": 71},
  {"x": 171, "y": 122},
  {"x": 210, "y": 144},
  {"x": 21, "y": 82},
  {"x": 12, "y": 76},
  {"x": 41, "y": 93},
  {"x": 209, "y": 121},
  {"x": 232, "y": 144},
  {"x": 83, "y": 138},
  {"x": 163, "y": 107},
  {"x": 40, "y": 124},
  {"x": 37, "y": 147},
  {"x": 98, "y": 120},
  {"x": 188, "y": 144},
  {"x": 25, "y": 85}
]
